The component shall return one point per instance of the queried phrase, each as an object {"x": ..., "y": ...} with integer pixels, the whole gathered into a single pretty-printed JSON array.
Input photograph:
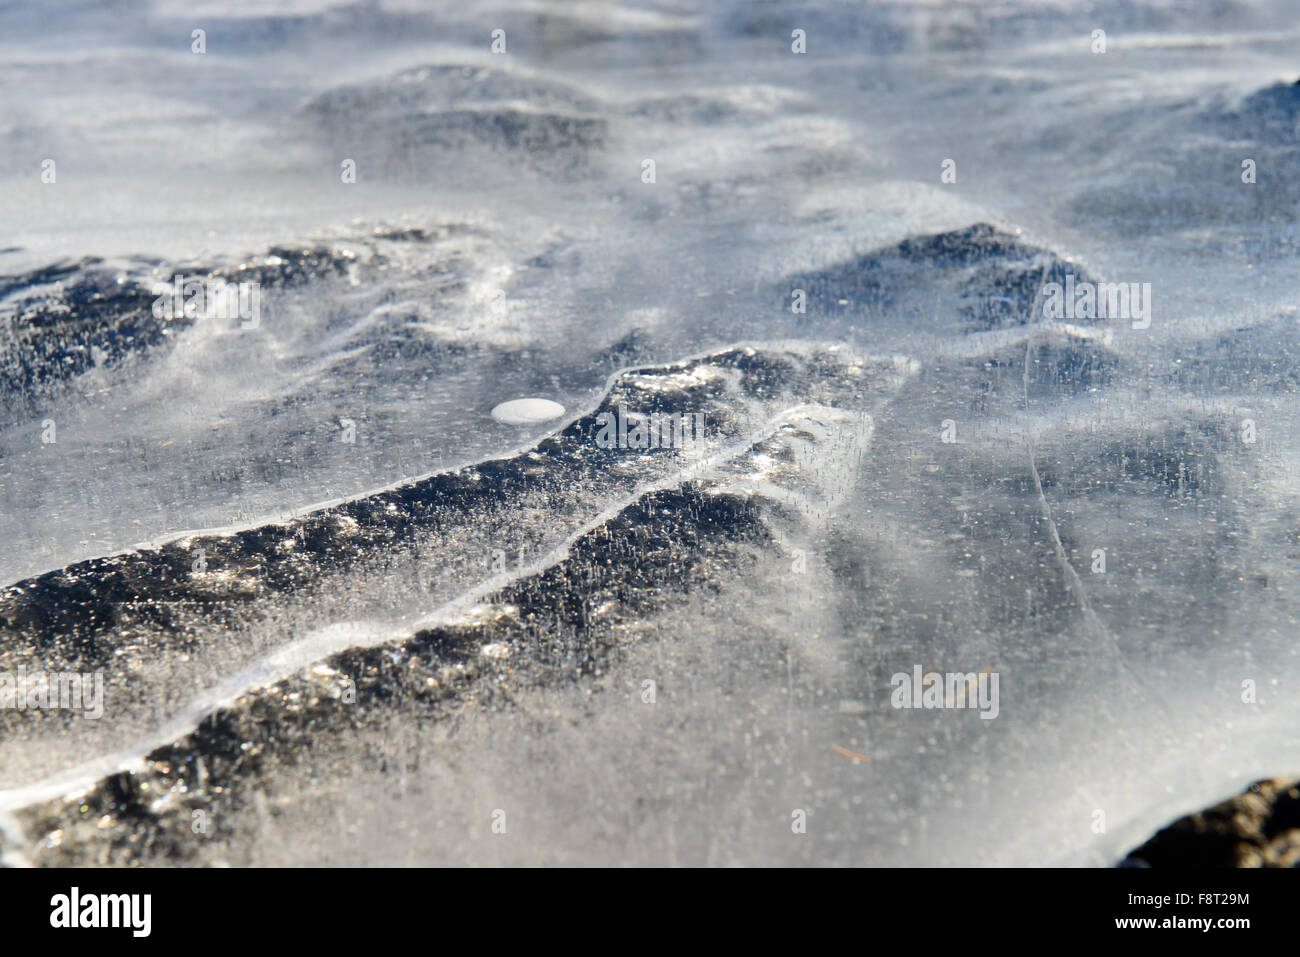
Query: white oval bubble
[{"x": 527, "y": 411}]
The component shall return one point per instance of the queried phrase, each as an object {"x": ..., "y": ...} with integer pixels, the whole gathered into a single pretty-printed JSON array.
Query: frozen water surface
[{"x": 821, "y": 429}]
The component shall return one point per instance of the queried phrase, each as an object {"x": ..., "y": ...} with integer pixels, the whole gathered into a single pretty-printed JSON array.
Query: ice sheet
[{"x": 922, "y": 468}]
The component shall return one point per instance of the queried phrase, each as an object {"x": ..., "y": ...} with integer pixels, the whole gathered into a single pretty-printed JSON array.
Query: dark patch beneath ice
[
  {"x": 65, "y": 319},
  {"x": 393, "y": 127},
  {"x": 1263, "y": 358},
  {"x": 989, "y": 276},
  {"x": 1270, "y": 115},
  {"x": 53, "y": 336},
  {"x": 1258, "y": 828}
]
